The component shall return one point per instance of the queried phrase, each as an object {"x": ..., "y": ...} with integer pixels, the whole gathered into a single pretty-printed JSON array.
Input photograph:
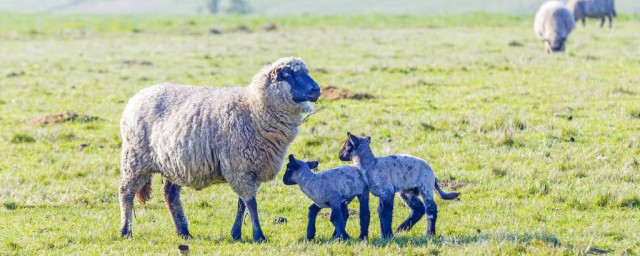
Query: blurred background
[{"x": 282, "y": 7}]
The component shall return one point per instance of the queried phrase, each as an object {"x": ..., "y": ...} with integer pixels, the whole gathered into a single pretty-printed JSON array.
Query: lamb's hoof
[
  {"x": 309, "y": 239},
  {"x": 387, "y": 236},
  {"x": 236, "y": 235},
  {"x": 363, "y": 238}
]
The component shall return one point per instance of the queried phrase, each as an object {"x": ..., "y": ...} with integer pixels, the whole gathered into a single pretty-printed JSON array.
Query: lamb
[
  {"x": 552, "y": 25},
  {"x": 199, "y": 136},
  {"x": 333, "y": 188},
  {"x": 582, "y": 9},
  {"x": 385, "y": 176}
]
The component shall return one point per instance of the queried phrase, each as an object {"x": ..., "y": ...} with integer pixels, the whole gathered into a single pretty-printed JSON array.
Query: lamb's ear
[
  {"x": 353, "y": 139},
  {"x": 312, "y": 164},
  {"x": 368, "y": 138},
  {"x": 292, "y": 159}
]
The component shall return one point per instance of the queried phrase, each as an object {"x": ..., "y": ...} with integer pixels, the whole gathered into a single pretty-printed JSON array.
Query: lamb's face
[
  {"x": 351, "y": 145},
  {"x": 294, "y": 167},
  {"x": 303, "y": 87}
]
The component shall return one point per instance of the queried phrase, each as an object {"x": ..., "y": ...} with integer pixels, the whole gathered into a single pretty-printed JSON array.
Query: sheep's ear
[
  {"x": 368, "y": 138},
  {"x": 291, "y": 158},
  {"x": 312, "y": 164},
  {"x": 353, "y": 139}
]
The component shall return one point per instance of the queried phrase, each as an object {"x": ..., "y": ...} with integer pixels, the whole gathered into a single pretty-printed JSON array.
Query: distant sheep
[
  {"x": 552, "y": 25},
  {"x": 199, "y": 136},
  {"x": 334, "y": 188},
  {"x": 387, "y": 175},
  {"x": 598, "y": 9}
]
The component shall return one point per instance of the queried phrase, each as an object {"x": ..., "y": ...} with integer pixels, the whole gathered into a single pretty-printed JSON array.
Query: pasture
[{"x": 545, "y": 149}]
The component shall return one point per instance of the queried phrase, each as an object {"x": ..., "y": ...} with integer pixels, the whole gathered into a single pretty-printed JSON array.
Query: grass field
[{"x": 545, "y": 149}]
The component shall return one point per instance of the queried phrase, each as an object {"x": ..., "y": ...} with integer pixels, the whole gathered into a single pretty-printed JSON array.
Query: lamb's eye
[{"x": 285, "y": 75}]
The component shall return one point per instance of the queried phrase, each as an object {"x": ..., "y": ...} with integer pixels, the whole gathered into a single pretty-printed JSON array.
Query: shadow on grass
[{"x": 438, "y": 240}]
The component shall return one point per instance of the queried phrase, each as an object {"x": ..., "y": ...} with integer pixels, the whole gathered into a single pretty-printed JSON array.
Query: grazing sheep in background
[
  {"x": 334, "y": 188},
  {"x": 598, "y": 9},
  {"x": 409, "y": 175},
  {"x": 552, "y": 25},
  {"x": 197, "y": 136}
]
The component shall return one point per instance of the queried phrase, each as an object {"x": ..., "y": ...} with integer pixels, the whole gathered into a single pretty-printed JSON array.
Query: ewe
[
  {"x": 197, "y": 136},
  {"x": 598, "y": 9},
  {"x": 552, "y": 25}
]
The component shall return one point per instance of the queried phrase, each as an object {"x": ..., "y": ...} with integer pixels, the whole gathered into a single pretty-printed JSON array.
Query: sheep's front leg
[
  {"x": 365, "y": 215},
  {"x": 385, "y": 211},
  {"x": 174, "y": 204},
  {"x": 338, "y": 220},
  {"x": 610, "y": 21},
  {"x": 417, "y": 211},
  {"x": 311, "y": 225},
  {"x": 583, "y": 24},
  {"x": 236, "y": 230},
  {"x": 252, "y": 206},
  {"x": 602, "y": 23}
]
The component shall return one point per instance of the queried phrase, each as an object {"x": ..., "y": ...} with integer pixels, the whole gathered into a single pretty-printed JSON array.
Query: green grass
[{"x": 546, "y": 147}]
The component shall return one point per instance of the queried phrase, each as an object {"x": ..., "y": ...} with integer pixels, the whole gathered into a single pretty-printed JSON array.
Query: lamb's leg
[
  {"x": 583, "y": 24},
  {"x": 236, "y": 230},
  {"x": 345, "y": 216},
  {"x": 602, "y": 23},
  {"x": 311, "y": 225},
  {"x": 417, "y": 211},
  {"x": 432, "y": 212},
  {"x": 252, "y": 206},
  {"x": 365, "y": 215},
  {"x": 338, "y": 220},
  {"x": 172, "y": 199},
  {"x": 385, "y": 211},
  {"x": 610, "y": 21},
  {"x": 129, "y": 185}
]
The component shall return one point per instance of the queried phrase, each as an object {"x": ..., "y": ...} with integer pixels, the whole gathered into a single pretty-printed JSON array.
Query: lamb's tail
[
  {"x": 445, "y": 195},
  {"x": 144, "y": 194}
]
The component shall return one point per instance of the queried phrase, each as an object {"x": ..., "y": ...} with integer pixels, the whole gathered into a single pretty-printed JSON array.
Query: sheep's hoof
[
  {"x": 126, "y": 234},
  {"x": 259, "y": 239},
  {"x": 363, "y": 238}
]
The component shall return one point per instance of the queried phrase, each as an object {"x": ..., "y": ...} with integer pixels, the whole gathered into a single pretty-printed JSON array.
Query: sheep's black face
[
  {"x": 293, "y": 167},
  {"x": 351, "y": 145},
  {"x": 556, "y": 45},
  {"x": 303, "y": 87}
]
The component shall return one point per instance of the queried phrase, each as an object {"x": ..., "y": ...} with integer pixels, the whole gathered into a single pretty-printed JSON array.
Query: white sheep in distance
[
  {"x": 598, "y": 9},
  {"x": 552, "y": 25},
  {"x": 199, "y": 136}
]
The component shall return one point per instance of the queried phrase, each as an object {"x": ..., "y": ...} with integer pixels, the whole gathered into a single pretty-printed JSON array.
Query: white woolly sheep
[
  {"x": 387, "y": 175},
  {"x": 334, "y": 188},
  {"x": 199, "y": 136},
  {"x": 552, "y": 25},
  {"x": 598, "y": 9}
]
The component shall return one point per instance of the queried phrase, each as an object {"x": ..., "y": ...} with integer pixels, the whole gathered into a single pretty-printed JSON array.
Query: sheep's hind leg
[
  {"x": 602, "y": 23},
  {"x": 417, "y": 211},
  {"x": 129, "y": 185},
  {"x": 344, "y": 209},
  {"x": 174, "y": 204},
  {"x": 311, "y": 225},
  {"x": 252, "y": 206},
  {"x": 432, "y": 212},
  {"x": 338, "y": 220},
  {"x": 236, "y": 230},
  {"x": 610, "y": 21}
]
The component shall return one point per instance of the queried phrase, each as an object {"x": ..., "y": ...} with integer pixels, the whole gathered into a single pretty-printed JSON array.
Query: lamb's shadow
[{"x": 439, "y": 240}]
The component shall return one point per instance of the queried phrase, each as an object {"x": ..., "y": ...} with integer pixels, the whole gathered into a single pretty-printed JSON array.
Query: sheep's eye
[{"x": 285, "y": 75}]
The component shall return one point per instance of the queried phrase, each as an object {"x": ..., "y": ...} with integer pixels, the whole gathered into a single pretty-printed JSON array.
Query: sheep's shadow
[{"x": 439, "y": 240}]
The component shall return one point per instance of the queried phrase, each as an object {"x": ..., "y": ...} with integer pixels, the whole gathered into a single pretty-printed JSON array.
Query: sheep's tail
[
  {"x": 144, "y": 194},
  {"x": 445, "y": 195}
]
